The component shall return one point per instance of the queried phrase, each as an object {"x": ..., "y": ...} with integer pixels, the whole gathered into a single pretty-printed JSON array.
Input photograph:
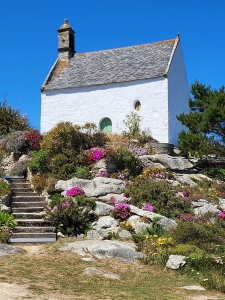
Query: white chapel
[{"x": 102, "y": 87}]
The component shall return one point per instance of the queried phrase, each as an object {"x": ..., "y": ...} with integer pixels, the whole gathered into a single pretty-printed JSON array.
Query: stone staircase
[{"x": 26, "y": 208}]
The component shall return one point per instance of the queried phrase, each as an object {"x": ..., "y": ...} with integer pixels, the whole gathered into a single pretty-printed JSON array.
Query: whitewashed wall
[
  {"x": 178, "y": 93},
  {"x": 113, "y": 101}
]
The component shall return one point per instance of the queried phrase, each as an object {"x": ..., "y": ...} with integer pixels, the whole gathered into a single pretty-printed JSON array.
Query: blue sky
[{"x": 28, "y": 38}]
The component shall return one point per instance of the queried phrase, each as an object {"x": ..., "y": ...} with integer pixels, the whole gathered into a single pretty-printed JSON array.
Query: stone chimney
[{"x": 66, "y": 48}]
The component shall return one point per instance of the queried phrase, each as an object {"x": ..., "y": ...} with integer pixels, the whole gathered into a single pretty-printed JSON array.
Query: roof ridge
[{"x": 126, "y": 47}]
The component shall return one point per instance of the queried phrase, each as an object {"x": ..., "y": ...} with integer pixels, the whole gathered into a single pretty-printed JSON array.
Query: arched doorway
[{"x": 106, "y": 125}]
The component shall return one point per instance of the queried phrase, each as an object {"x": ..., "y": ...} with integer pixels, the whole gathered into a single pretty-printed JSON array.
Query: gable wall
[
  {"x": 114, "y": 101},
  {"x": 178, "y": 93}
]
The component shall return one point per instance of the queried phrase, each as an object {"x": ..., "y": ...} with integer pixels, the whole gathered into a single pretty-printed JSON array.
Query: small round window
[{"x": 137, "y": 105}]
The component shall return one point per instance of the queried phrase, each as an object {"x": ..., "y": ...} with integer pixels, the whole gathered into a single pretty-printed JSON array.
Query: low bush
[
  {"x": 160, "y": 194},
  {"x": 7, "y": 223},
  {"x": 72, "y": 214},
  {"x": 39, "y": 182},
  {"x": 39, "y": 162},
  {"x": 5, "y": 188}
]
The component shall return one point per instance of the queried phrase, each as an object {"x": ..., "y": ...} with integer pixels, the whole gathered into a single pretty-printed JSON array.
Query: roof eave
[
  {"x": 177, "y": 39},
  {"x": 50, "y": 73}
]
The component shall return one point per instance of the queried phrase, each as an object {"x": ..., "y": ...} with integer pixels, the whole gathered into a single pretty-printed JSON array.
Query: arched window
[{"x": 106, "y": 125}]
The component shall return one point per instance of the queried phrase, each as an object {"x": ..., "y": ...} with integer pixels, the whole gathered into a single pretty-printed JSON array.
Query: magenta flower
[
  {"x": 75, "y": 191},
  {"x": 222, "y": 215}
]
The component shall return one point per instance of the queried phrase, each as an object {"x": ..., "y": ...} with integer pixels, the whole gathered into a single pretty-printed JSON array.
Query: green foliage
[
  {"x": 83, "y": 172},
  {"x": 199, "y": 234},
  {"x": 5, "y": 188},
  {"x": 125, "y": 159},
  {"x": 215, "y": 173},
  {"x": 72, "y": 214},
  {"x": 7, "y": 220},
  {"x": 132, "y": 124},
  {"x": 39, "y": 161},
  {"x": 205, "y": 122},
  {"x": 160, "y": 194},
  {"x": 11, "y": 119},
  {"x": 55, "y": 199}
]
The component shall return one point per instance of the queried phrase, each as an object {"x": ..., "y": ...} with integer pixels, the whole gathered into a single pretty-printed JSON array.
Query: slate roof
[{"x": 112, "y": 66}]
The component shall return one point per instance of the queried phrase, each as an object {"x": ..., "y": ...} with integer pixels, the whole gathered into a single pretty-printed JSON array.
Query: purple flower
[
  {"x": 122, "y": 210},
  {"x": 126, "y": 198},
  {"x": 103, "y": 174},
  {"x": 65, "y": 204},
  {"x": 147, "y": 206}
]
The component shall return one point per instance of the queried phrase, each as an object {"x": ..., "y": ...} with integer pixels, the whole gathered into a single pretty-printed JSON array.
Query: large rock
[
  {"x": 96, "y": 187},
  {"x": 104, "y": 166},
  {"x": 105, "y": 225},
  {"x": 185, "y": 179},
  {"x": 6, "y": 250},
  {"x": 203, "y": 207},
  {"x": 175, "y": 262},
  {"x": 103, "y": 209},
  {"x": 138, "y": 225},
  {"x": 173, "y": 163},
  {"x": 147, "y": 163},
  {"x": 107, "y": 198},
  {"x": 104, "y": 249},
  {"x": 164, "y": 222},
  {"x": 221, "y": 204}
]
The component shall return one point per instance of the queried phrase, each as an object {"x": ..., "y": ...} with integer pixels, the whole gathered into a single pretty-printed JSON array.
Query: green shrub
[
  {"x": 39, "y": 161},
  {"x": 55, "y": 199},
  {"x": 200, "y": 235},
  {"x": 159, "y": 194},
  {"x": 62, "y": 167},
  {"x": 7, "y": 220},
  {"x": 83, "y": 172},
  {"x": 125, "y": 160},
  {"x": 7, "y": 223},
  {"x": 11, "y": 119},
  {"x": 72, "y": 214},
  {"x": 5, "y": 188}
]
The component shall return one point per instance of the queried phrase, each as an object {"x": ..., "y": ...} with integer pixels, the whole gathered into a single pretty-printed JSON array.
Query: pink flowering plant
[
  {"x": 94, "y": 154},
  {"x": 72, "y": 214},
  {"x": 121, "y": 211},
  {"x": 147, "y": 206},
  {"x": 75, "y": 191}
]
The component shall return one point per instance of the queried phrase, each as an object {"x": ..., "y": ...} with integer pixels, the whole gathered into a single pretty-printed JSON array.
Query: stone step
[
  {"x": 28, "y": 198},
  {"x": 25, "y": 215},
  {"x": 34, "y": 223},
  {"x": 34, "y": 229},
  {"x": 20, "y": 185},
  {"x": 28, "y": 204},
  {"x": 34, "y": 235},
  {"x": 24, "y": 193},
  {"x": 27, "y": 209},
  {"x": 33, "y": 240},
  {"x": 19, "y": 190}
]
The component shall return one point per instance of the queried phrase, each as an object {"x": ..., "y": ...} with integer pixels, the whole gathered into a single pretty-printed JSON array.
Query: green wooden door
[{"x": 106, "y": 125}]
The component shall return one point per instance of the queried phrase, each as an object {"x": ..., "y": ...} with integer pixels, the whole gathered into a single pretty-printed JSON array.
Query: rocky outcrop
[
  {"x": 99, "y": 186},
  {"x": 104, "y": 249},
  {"x": 171, "y": 162}
]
